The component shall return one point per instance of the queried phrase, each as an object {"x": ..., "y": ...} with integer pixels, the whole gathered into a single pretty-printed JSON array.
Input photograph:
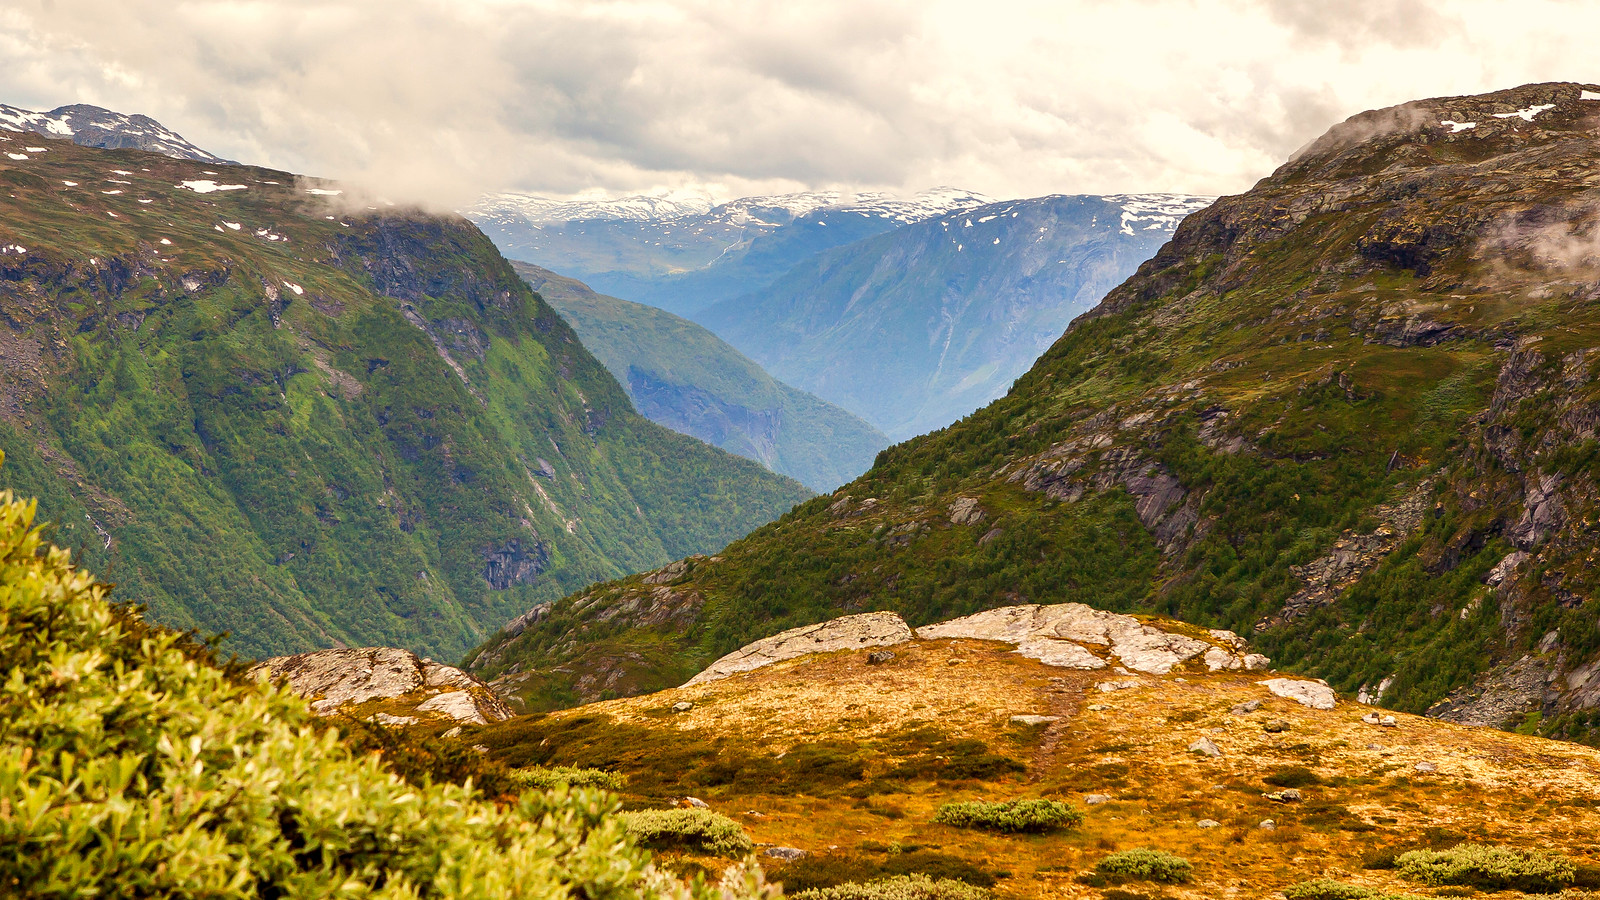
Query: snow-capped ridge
[
  {"x": 773, "y": 209},
  {"x": 92, "y": 126}
]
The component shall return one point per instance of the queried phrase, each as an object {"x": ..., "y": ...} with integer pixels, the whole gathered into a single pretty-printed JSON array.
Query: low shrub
[
  {"x": 688, "y": 829},
  {"x": 1146, "y": 865},
  {"x": 546, "y": 777},
  {"x": 903, "y": 887},
  {"x": 1010, "y": 815},
  {"x": 1489, "y": 868},
  {"x": 1327, "y": 889},
  {"x": 825, "y": 870},
  {"x": 1293, "y": 777}
]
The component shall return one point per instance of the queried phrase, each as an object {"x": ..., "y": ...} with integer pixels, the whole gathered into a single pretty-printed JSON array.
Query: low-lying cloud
[{"x": 442, "y": 100}]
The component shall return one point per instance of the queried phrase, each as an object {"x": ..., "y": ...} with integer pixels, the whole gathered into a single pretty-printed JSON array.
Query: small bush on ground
[
  {"x": 824, "y": 870},
  {"x": 1293, "y": 777},
  {"x": 1146, "y": 865},
  {"x": 1009, "y": 815},
  {"x": 546, "y": 777},
  {"x": 688, "y": 829},
  {"x": 1327, "y": 889},
  {"x": 903, "y": 887},
  {"x": 1489, "y": 868}
]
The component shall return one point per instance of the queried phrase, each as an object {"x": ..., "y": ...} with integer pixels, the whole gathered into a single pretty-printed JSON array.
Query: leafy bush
[
  {"x": 825, "y": 870},
  {"x": 544, "y": 778},
  {"x": 1327, "y": 889},
  {"x": 1009, "y": 815},
  {"x": 131, "y": 768},
  {"x": 1489, "y": 868},
  {"x": 1146, "y": 865},
  {"x": 903, "y": 887},
  {"x": 688, "y": 829}
]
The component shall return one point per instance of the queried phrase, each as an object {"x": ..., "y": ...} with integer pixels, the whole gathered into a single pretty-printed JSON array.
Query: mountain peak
[{"x": 92, "y": 126}]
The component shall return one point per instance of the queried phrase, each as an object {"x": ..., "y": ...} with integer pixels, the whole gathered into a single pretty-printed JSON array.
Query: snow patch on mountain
[
  {"x": 775, "y": 209},
  {"x": 92, "y": 126}
]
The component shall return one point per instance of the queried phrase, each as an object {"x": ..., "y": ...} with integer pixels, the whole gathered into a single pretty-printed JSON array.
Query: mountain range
[
  {"x": 264, "y": 412},
  {"x": 91, "y": 126},
  {"x": 681, "y": 375},
  {"x": 1350, "y": 413}
]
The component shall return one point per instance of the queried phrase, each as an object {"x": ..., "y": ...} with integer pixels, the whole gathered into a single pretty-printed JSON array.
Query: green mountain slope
[
  {"x": 308, "y": 423},
  {"x": 917, "y": 327},
  {"x": 1354, "y": 412},
  {"x": 688, "y": 379}
]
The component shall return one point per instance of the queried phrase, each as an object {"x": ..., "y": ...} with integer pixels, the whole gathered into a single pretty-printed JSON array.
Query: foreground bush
[
  {"x": 1146, "y": 865},
  {"x": 545, "y": 778},
  {"x": 1326, "y": 889},
  {"x": 1489, "y": 868},
  {"x": 688, "y": 829},
  {"x": 131, "y": 767},
  {"x": 1009, "y": 815},
  {"x": 904, "y": 887}
]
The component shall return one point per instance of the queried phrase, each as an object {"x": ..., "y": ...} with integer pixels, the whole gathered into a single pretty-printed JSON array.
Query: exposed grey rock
[
  {"x": 1543, "y": 512},
  {"x": 695, "y": 802},
  {"x": 458, "y": 705},
  {"x": 878, "y": 629},
  {"x": 394, "y": 721},
  {"x": 1503, "y": 569},
  {"x": 1314, "y": 694},
  {"x": 1502, "y": 696},
  {"x": 1205, "y": 747},
  {"x": 1426, "y": 767},
  {"x": 879, "y": 657},
  {"x": 523, "y": 622},
  {"x": 1289, "y": 795},
  {"x": 1388, "y": 722},
  {"x": 1372, "y": 718},
  {"x": 1062, "y": 654},
  {"x": 1245, "y": 708},
  {"x": 1095, "y": 799},
  {"x": 515, "y": 562},
  {"x": 668, "y": 573},
  {"x": 1276, "y": 726},
  {"x": 1107, "y": 687},
  {"x": 1031, "y": 720},
  {"x": 1366, "y": 696},
  {"x": 1268, "y": 825},
  {"x": 787, "y": 854},
  {"x": 682, "y": 706},
  {"x": 1208, "y": 823},
  {"x": 1140, "y": 647},
  {"x": 331, "y": 679},
  {"x": 966, "y": 511}
]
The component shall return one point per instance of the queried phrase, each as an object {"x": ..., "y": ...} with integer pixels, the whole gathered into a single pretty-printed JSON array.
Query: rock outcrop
[
  {"x": 1058, "y": 635},
  {"x": 336, "y": 679},
  {"x": 878, "y": 629}
]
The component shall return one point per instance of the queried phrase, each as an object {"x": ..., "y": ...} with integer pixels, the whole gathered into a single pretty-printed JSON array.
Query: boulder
[
  {"x": 1276, "y": 726},
  {"x": 1031, "y": 720},
  {"x": 1205, "y": 747},
  {"x": 1062, "y": 654},
  {"x": 878, "y": 629},
  {"x": 1246, "y": 708},
  {"x": 1290, "y": 795},
  {"x": 458, "y": 705},
  {"x": 1208, "y": 823},
  {"x": 787, "y": 854},
  {"x": 879, "y": 657},
  {"x": 1095, "y": 799},
  {"x": 682, "y": 706},
  {"x": 332, "y": 679},
  {"x": 1314, "y": 694},
  {"x": 965, "y": 511}
]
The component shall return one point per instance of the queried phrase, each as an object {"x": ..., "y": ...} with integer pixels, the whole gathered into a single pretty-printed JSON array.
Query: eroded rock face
[
  {"x": 879, "y": 629},
  {"x": 1314, "y": 694},
  {"x": 332, "y": 679},
  {"x": 1060, "y": 634}
]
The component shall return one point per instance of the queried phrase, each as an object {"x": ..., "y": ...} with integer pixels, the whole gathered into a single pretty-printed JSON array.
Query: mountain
[
  {"x": 688, "y": 379},
  {"x": 682, "y": 253},
  {"x": 91, "y": 126},
  {"x": 917, "y": 327},
  {"x": 1352, "y": 413},
  {"x": 263, "y": 410}
]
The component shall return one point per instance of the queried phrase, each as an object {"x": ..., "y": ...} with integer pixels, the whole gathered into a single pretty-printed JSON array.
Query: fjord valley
[
  {"x": 1346, "y": 413},
  {"x": 681, "y": 375},
  {"x": 264, "y": 409}
]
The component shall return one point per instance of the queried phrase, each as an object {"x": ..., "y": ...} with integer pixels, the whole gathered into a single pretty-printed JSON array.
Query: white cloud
[{"x": 443, "y": 99}]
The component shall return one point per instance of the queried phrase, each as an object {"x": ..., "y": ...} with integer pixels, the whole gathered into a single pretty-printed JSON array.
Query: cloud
[{"x": 440, "y": 100}]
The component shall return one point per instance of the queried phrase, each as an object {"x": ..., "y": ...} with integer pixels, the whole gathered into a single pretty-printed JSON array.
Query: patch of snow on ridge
[
  {"x": 1457, "y": 127},
  {"x": 1589, "y": 95},
  {"x": 320, "y": 192},
  {"x": 1527, "y": 114},
  {"x": 208, "y": 186},
  {"x": 1160, "y": 211}
]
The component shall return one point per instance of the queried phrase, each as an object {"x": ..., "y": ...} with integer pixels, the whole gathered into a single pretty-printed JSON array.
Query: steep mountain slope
[
  {"x": 684, "y": 254},
  {"x": 688, "y": 379},
  {"x": 1353, "y": 412},
  {"x": 914, "y": 329},
  {"x": 311, "y": 424},
  {"x": 91, "y": 126}
]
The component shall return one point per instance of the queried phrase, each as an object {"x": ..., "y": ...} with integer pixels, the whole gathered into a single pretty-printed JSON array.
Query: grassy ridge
[{"x": 310, "y": 424}]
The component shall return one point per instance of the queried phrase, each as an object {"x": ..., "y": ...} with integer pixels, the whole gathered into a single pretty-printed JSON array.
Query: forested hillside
[{"x": 265, "y": 409}]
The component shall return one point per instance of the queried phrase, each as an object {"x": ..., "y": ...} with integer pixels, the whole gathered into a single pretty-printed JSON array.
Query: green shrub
[
  {"x": 1009, "y": 815},
  {"x": 825, "y": 870},
  {"x": 1146, "y": 865},
  {"x": 1326, "y": 889},
  {"x": 1490, "y": 868},
  {"x": 1293, "y": 777},
  {"x": 902, "y": 887},
  {"x": 688, "y": 829},
  {"x": 546, "y": 777},
  {"x": 130, "y": 767}
]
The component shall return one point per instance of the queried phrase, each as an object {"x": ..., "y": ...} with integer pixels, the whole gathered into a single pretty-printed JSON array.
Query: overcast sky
[{"x": 445, "y": 99}]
